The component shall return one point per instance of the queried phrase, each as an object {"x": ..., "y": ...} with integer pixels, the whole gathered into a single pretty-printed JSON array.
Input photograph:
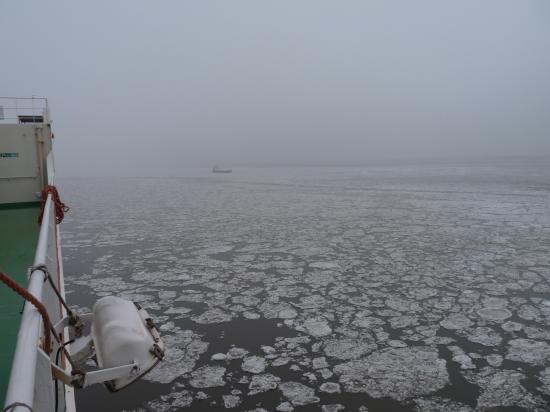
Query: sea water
[{"x": 391, "y": 287}]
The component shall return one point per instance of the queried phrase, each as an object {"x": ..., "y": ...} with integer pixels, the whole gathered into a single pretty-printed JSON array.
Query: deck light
[{"x": 124, "y": 343}]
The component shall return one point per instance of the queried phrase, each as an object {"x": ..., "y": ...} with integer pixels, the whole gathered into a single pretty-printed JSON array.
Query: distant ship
[{"x": 216, "y": 169}]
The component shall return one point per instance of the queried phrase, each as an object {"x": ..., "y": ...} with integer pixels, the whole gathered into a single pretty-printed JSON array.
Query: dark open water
[{"x": 388, "y": 288}]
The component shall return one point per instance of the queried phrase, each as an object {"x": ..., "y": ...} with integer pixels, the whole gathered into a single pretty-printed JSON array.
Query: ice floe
[
  {"x": 494, "y": 314},
  {"x": 317, "y": 327},
  {"x": 298, "y": 393},
  {"x": 218, "y": 357},
  {"x": 348, "y": 348},
  {"x": 183, "y": 350},
  {"x": 319, "y": 363},
  {"x": 207, "y": 377},
  {"x": 456, "y": 321},
  {"x": 503, "y": 388},
  {"x": 231, "y": 401},
  {"x": 212, "y": 316},
  {"x": 484, "y": 336},
  {"x": 544, "y": 377},
  {"x": 461, "y": 357},
  {"x": 528, "y": 351},
  {"x": 171, "y": 402},
  {"x": 254, "y": 364},
  {"x": 236, "y": 353},
  {"x": 437, "y": 404},
  {"x": 494, "y": 359},
  {"x": 263, "y": 383},
  {"x": 398, "y": 373},
  {"x": 285, "y": 407},
  {"x": 330, "y": 387},
  {"x": 334, "y": 407}
]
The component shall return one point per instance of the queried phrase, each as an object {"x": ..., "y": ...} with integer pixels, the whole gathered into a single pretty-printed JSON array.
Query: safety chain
[{"x": 74, "y": 320}]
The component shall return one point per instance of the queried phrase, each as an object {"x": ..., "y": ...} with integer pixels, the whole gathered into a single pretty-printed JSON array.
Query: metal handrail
[
  {"x": 17, "y": 118},
  {"x": 24, "y": 98},
  {"x": 22, "y": 377},
  {"x": 11, "y": 105},
  {"x": 19, "y": 108},
  {"x": 21, "y": 386}
]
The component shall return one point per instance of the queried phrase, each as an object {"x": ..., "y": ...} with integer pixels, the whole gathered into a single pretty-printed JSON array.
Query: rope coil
[{"x": 60, "y": 207}]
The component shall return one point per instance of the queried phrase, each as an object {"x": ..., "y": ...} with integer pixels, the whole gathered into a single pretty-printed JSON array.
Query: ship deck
[{"x": 19, "y": 230}]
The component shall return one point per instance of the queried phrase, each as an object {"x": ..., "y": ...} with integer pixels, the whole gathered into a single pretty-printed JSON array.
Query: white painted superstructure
[{"x": 25, "y": 143}]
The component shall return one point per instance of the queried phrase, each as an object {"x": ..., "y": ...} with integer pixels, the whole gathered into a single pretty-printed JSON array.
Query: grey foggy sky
[{"x": 159, "y": 85}]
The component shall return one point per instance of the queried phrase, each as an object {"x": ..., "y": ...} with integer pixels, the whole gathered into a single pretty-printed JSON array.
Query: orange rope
[
  {"x": 60, "y": 207},
  {"x": 12, "y": 284}
]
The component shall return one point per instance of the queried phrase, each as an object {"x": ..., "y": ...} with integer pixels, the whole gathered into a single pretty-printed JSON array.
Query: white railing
[
  {"x": 31, "y": 377},
  {"x": 13, "y": 107}
]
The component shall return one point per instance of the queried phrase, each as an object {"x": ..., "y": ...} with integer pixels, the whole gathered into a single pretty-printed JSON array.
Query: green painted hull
[{"x": 19, "y": 230}]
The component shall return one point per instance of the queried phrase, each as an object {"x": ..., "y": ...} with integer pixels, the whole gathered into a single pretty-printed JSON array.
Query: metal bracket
[
  {"x": 79, "y": 379},
  {"x": 66, "y": 321},
  {"x": 151, "y": 327},
  {"x": 104, "y": 375},
  {"x": 82, "y": 349},
  {"x": 75, "y": 378},
  {"x": 157, "y": 351}
]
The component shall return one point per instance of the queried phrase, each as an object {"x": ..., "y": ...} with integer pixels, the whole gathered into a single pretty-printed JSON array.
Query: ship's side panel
[
  {"x": 66, "y": 393},
  {"x": 44, "y": 395},
  {"x": 22, "y": 154}
]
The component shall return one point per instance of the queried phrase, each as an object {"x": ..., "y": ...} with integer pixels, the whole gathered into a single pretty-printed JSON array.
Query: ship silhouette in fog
[{"x": 217, "y": 169}]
